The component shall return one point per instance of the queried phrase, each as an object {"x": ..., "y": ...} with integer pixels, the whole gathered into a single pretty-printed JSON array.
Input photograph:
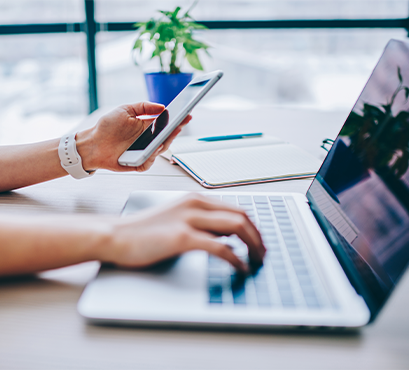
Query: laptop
[{"x": 333, "y": 255}]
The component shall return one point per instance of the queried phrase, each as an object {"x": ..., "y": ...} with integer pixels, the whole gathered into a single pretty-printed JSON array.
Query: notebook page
[
  {"x": 191, "y": 144},
  {"x": 250, "y": 163}
]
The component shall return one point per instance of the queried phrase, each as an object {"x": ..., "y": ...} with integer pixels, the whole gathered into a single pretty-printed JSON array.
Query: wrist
[
  {"x": 105, "y": 249},
  {"x": 86, "y": 149},
  {"x": 101, "y": 239}
]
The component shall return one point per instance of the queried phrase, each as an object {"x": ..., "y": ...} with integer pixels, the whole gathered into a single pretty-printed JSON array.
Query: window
[
  {"x": 44, "y": 77},
  {"x": 44, "y": 86},
  {"x": 41, "y": 11}
]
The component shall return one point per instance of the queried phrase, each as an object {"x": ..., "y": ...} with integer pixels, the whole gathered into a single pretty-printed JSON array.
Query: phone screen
[{"x": 171, "y": 112}]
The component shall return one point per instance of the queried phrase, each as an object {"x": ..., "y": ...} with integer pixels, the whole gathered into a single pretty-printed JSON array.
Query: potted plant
[{"x": 172, "y": 36}]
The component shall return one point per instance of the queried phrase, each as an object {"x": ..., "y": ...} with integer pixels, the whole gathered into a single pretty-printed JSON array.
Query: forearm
[
  {"x": 29, "y": 245},
  {"x": 23, "y": 165},
  {"x": 98, "y": 147}
]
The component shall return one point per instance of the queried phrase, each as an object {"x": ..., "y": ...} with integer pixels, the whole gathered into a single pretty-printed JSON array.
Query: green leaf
[
  {"x": 406, "y": 93},
  {"x": 138, "y": 44},
  {"x": 139, "y": 25},
  {"x": 196, "y": 26},
  {"x": 194, "y": 44},
  {"x": 150, "y": 25},
  {"x": 165, "y": 12},
  {"x": 194, "y": 61},
  {"x": 403, "y": 116},
  {"x": 352, "y": 124},
  {"x": 175, "y": 12},
  {"x": 399, "y": 75},
  {"x": 373, "y": 111}
]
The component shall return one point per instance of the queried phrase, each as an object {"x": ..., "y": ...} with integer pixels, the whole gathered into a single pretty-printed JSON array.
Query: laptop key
[
  {"x": 268, "y": 231},
  {"x": 298, "y": 262},
  {"x": 280, "y": 210},
  {"x": 265, "y": 217},
  {"x": 279, "y": 207},
  {"x": 279, "y": 267},
  {"x": 262, "y": 206},
  {"x": 274, "y": 198},
  {"x": 312, "y": 302},
  {"x": 272, "y": 247},
  {"x": 304, "y": 280},
  {"x": 308, "y": 291},
  {"x": 238, "y": 289},
  {"x": 287, "y": 299},
  {"x": 214, "y": 197},
  {"x": 260, "y": 199},
  {"x": 282, "y": 218},
  {"x": 271, "y": 241},
  {"x": 215, "y": 290},
  {"x": 229, "y": 199},
  {"x": 281, "y": 274},
  {"x": 286, "y": 227},
  {"x": 263, "y": 300},
  {"x": 245, "y": 200}
]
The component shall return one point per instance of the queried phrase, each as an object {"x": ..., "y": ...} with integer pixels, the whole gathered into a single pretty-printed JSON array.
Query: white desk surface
[{"x": 41, "y": 329}]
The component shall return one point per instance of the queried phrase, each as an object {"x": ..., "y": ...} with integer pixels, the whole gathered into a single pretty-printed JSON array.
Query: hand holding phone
[{"x": 160, "y": 129}]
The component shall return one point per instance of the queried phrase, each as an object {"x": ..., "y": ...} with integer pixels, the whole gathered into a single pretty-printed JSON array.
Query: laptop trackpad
[{"x": 172, "y": 286}]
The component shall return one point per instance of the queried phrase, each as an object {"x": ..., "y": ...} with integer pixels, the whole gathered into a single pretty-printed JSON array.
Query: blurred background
[{"x": 50, "y": 80}]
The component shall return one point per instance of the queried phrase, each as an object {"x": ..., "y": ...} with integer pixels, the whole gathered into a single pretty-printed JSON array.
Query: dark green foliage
[
  {"x": 379, "y": 138},
  {"x": 172, "y": 33}
]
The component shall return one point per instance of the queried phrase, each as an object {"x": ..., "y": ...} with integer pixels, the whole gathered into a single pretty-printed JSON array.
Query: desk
[{"x": 41, "y": 329}]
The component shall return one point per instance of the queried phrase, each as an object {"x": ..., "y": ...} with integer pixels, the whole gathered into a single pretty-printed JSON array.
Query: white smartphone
[{"x": 146, "y": 144}]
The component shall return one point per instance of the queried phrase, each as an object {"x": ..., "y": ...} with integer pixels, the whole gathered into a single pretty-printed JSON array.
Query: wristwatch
[{"x": 70, "y": 159}]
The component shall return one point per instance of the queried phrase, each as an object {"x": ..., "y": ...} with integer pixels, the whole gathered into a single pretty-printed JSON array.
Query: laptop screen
[{"x": 362, "y": 188}]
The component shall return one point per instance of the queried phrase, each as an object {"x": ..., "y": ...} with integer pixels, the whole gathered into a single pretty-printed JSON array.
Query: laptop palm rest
[{"x": 178, "y": 285}]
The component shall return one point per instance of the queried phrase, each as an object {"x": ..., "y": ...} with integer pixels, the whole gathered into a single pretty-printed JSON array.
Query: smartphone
[{"x": 177, "y": 110}]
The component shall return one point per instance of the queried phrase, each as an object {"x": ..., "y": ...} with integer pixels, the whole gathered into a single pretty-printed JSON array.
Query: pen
[{"x": 230, "y": 137}]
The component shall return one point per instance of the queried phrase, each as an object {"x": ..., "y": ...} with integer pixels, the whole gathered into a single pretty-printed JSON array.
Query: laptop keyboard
[{"x": 286, "y": 278}]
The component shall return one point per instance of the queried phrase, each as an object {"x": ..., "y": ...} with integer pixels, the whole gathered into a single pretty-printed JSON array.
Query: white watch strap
[{"x": 70, "y": 159}]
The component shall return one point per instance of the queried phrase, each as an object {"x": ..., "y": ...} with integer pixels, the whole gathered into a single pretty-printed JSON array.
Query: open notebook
[{"x": 237, "y": 162}]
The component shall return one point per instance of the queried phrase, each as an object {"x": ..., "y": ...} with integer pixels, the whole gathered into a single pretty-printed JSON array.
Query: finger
[
  {"x": 200, "y": 201},
  {"x": 227, "y": 223},
  {"x": 203, "y": 242},
  {"x": 169, "y": 140},
  {"x": 149, "y": 162},
  {"x": 175, "y": 133},
  {"x": 146, "y": 108},
  {"x": 187, "y": 119},
  {"x": 144, "y": 167}
]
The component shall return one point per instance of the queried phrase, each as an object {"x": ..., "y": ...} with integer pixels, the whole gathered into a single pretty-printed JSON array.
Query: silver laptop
[{"x": 333, "y": 256}]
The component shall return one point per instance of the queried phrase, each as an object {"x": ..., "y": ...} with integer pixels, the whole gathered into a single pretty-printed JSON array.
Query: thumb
[
  {"x": 146, "y": 108},
  {"x": 144, "y": 123}
]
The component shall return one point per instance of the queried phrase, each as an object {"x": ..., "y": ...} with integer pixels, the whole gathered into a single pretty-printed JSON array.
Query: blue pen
[{"x": 230, "y": 137}]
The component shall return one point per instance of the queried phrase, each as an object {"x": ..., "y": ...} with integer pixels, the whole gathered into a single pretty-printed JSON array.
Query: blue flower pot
[{"x": 163, "y": 87}]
